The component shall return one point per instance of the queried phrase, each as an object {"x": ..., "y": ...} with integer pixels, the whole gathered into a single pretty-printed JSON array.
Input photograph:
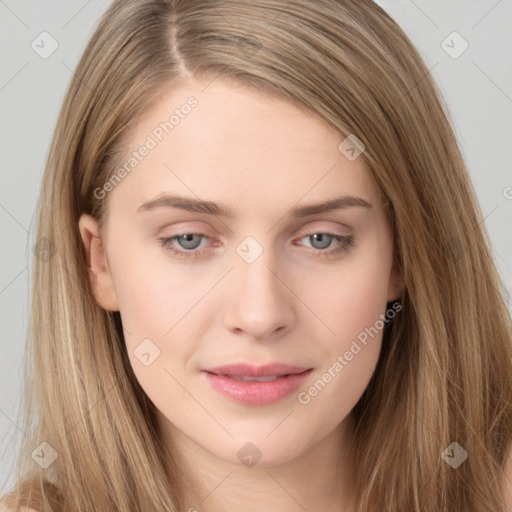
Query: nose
[{"x": 260, "y": 302}]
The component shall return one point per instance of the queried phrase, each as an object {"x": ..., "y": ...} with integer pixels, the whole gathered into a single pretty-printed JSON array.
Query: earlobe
[
  {"x": 396, "y": 286},
  {"x": 99, "y": 273}
]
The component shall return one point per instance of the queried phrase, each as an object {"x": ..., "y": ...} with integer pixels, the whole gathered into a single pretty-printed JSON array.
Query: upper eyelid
[
  {"x": 314, "y": 229},
  {"x": 299, "y": 235}
]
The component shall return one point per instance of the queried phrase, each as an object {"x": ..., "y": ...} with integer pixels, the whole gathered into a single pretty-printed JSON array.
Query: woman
[{"x": 269, "y": 282}]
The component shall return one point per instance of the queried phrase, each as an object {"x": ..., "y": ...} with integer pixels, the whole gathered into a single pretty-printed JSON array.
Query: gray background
[{"x": 477, "y": 86}]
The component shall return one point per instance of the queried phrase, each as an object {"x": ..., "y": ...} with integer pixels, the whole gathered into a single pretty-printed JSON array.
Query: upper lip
[{"x": 248, "y": 370}]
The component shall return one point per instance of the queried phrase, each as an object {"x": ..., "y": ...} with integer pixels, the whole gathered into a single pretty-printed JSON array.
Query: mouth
[
  {"x": 249, "y": 385},
  {"x": 249, "y": 370}
]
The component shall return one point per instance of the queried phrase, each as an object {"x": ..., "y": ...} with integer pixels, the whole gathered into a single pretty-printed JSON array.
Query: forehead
[{"x": 225, "y": 142}]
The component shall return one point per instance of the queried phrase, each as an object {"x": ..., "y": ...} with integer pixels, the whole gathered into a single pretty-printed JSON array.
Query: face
[{"x": 256, "y": 276}]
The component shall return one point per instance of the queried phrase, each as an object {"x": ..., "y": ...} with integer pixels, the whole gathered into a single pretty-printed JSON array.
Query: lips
[{"x": 251, "y": 385}]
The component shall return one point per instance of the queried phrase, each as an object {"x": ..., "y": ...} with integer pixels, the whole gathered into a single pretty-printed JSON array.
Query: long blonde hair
[{"x": 445, "y": 369}]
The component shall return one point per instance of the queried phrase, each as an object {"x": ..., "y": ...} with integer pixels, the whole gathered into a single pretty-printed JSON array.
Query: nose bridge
[
  {"x": 256, "y": 268},
  {"x": 259, "y": 302}
]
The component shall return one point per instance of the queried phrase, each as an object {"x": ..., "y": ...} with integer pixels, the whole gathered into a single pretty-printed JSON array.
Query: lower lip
[{"x": 257, "y": 393}]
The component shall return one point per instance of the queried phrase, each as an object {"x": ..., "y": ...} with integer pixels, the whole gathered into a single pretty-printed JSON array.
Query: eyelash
[{"x": 345, "y": 241}]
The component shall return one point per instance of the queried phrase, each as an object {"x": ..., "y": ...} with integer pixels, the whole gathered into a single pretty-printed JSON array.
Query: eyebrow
[{"x": 210, "y": 208}]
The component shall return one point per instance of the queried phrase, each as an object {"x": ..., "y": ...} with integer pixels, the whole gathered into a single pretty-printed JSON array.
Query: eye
[
  {"x": 323, "y": 240},
  {"x": 190, "y": 242}
]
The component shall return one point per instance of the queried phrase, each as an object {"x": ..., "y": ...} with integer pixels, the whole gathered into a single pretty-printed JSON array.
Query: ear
[
  {"x": 99, "y": 272},
  {"x": 396, "y": 286}
]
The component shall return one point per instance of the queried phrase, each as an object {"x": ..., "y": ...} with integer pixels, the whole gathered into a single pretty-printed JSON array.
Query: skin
[{"x": 261, "y": 156}]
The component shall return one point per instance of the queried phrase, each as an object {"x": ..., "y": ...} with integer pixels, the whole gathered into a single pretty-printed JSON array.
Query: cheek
[
  {"x": 158, "y": 302},
  {"x": 153, "y": 293},
  {"x": 357, "y": 326},
  {"x": 351, "y": 352},
  {"x": 353, "y": 306},
  {"x": 153, "y": 304},
  {"x": 353, "y": 296}
]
